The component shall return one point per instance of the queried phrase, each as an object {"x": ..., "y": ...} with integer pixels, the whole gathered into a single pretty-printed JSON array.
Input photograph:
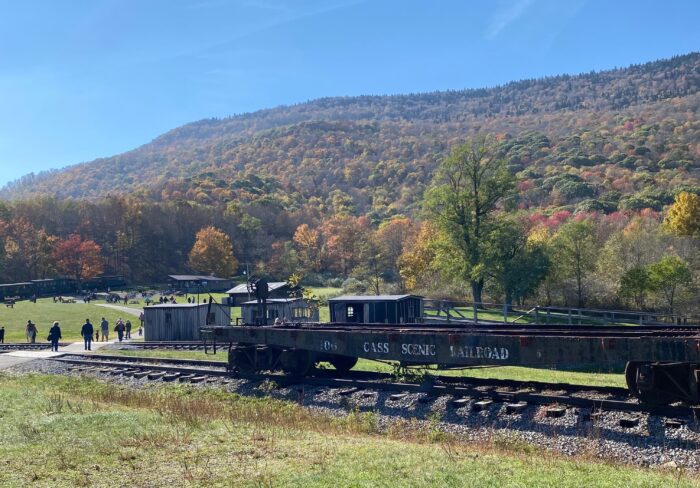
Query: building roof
[
  {"x": 243, "y": 287},
  {"x": 276, "y": 300},
  {"x": 371, "y": 298},
  {"x": 195, "y": 278},
  {"x": 176, "y": 305}
]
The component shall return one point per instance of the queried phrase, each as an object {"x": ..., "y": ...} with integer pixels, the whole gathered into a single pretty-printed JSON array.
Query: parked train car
[{"x": 663, "y": 362}]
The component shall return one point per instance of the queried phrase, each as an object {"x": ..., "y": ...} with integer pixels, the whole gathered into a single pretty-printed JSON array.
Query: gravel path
[{"x": 650, "y": 443}]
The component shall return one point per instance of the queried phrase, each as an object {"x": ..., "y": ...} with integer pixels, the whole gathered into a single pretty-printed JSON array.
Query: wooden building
[
  {"x": 294, "y": 310},
  {"x": 198, "y": 284},
  {"x": 239, "y": 293},
  {"x": 378, "y": 309},
  {"x": 181, "y": 322}
]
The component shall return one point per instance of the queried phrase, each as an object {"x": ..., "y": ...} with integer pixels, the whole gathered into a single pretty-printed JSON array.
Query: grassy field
[
  {"x": 43, "y": 313},
  {"x": 82, "y": 432},
  {"x": 500, "y": 372}
]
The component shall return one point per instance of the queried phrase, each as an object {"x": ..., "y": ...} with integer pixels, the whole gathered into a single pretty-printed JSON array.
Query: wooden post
[
  {"x": 505, "y": 313},
  {"x": 476, "y": 316},
  {"x": 537, "y": 315},
  {"x": 569, "y": 314}
]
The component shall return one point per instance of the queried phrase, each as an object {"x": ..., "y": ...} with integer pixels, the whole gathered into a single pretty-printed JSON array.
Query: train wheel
[
  {"x": 651, "y": 384},
  {"x": 297, "y": 362},
  {"x": 343, "y": 363},
  {"x": 242, "y": 360}
]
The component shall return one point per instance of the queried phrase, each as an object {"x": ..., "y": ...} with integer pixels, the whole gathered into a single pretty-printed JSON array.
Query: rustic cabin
[
  {"x": 239, "y": 294},
  {"x": 181, "y": 322},
  {"x": 294, "y": 310},
  {"x": 198, "y": 284},
  {"x": 388, "y": 309}
]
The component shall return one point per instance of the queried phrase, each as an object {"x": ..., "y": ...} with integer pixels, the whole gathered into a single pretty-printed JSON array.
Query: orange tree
[
  {"x": 212, "y": 253},
  {"x": 80, "y": 259}
]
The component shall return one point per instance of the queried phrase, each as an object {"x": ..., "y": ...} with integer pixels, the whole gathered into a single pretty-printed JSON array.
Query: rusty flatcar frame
[
  {"x": 662, "y": 363},
  {"x": 563, "y": 346}
]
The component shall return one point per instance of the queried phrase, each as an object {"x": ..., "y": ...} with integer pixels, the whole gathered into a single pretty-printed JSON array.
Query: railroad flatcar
[{"x": 663, "y": 362}]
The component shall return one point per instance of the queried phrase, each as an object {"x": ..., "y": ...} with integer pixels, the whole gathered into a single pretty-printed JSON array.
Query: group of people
[{"x": 123, "y": 330}]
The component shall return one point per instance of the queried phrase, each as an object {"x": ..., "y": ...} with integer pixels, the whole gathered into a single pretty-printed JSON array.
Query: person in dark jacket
[
  {"x": 55, "y": 336},
  {"x": 128, "y": 328},
  {"x": 87, "y": 332},
  {"x": 2, "y": 335},
  {"x": 119, "y": 329}
]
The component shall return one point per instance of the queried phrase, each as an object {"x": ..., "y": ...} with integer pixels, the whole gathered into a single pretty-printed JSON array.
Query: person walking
[
  {"x": 104, "y": 325},
  {"x": 31, "y": 332},
  {"x": 55, "y": 336},
  {"x": 86, "y": 332},
  {"x": 119, "y": 329},
  {"x": 128, "y": 328},
  {"x": 2, "y": 335}
]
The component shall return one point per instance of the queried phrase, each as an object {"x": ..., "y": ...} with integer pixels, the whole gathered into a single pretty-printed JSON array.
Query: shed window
[
  {"x": 350, "y": 312},
  {"x": 301, "y": 313},
  {"x": 168, "y": 318}
]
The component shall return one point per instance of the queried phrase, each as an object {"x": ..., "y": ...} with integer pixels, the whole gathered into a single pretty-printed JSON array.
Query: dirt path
[{"x": 131, "y": 311}]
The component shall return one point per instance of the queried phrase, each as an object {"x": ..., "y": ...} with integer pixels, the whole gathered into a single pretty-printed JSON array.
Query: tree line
[{"x": 471, "y": 237}]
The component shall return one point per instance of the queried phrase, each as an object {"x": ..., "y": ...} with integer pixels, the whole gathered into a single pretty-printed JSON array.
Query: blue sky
[{"x": 86, "y": 79}]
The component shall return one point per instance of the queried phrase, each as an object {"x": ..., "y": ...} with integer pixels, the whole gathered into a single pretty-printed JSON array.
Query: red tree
[{"x": 78, "y": 258}]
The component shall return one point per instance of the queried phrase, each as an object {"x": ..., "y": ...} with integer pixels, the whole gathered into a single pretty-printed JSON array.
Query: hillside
[{"x": 625, "y": 138}]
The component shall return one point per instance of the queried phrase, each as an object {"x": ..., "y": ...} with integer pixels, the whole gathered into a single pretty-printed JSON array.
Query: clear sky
[{"x": 93, "y": 78}]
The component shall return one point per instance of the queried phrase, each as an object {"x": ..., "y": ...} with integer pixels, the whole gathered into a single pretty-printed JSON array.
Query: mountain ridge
[{"x": 180, "y": 161}]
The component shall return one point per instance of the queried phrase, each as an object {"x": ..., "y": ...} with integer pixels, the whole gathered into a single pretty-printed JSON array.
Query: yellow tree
[
  {"x": 212, "y": 253},
  {"x": 308, "y": 242},
  {"x": 416, "y": 262},
  {"x": 683, "y": 217}
]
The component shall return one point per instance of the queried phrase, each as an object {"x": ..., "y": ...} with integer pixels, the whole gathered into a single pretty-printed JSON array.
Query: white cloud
[{"x": 506, "y": 16}]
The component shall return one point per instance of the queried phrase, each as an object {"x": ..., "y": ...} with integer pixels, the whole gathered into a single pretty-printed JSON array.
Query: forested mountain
[
  {"x": 623, "y": 138},
  {"x": 334, "y": 190}
]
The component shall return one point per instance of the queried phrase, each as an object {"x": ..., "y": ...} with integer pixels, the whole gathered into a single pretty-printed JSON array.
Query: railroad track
[
  {"x": 478, "y": 393},
  {"x": 21, "y": 346}
]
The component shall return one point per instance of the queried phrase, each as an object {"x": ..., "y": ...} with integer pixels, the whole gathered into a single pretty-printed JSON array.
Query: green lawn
[
  {"x": 87, "y": 433},
  {"x": 43, "y": 313}
]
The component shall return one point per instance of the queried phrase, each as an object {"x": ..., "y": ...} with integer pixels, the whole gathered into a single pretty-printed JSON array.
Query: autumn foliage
[
  {"x": 77, "y": 258},
  {"x": 212, "y": 253}
]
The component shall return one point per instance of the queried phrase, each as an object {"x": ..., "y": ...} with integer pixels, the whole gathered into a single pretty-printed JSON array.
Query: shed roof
[
  {"x": 276, "y": 300},
  {"x": 177, "y": 305},
  {"x": 243, "y": 287},
  {"x": 372, "y": 298},
  {"x": 195, "y": 278}
]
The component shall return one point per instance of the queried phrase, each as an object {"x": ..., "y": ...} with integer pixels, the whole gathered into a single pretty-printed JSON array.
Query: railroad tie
[
  {"x": 185, "y": 377},
  {"x": 141, "y": 374},
  {"x": 482, "y": 405},
  {"x": 198, "y": 379},
  {"x": 555, "y": 412},
  {"x": 156, "y": 375},
  {"x": 460, "y": 402},
  {"x": 674, "y": 423},
  {"x": 629, "y": 422},
  {"x": 171, "y": 377},
  {"x": 515, "y": 407},
  {"x": 397, "y": 396},
  {"x": 347, "y": 391}
]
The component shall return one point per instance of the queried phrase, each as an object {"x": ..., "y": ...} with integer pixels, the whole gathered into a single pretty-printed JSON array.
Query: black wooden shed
[{"x": 377, "y": 309}]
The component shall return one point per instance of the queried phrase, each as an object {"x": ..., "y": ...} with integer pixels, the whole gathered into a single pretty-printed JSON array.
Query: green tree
[
  {"x": 575, "y": 250},
  {"x": 517, "y": 265},
  {"x": 668, "y": 275},
  {"x": 463, "y": 200},
  {"x": 635, "y": 284}
]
